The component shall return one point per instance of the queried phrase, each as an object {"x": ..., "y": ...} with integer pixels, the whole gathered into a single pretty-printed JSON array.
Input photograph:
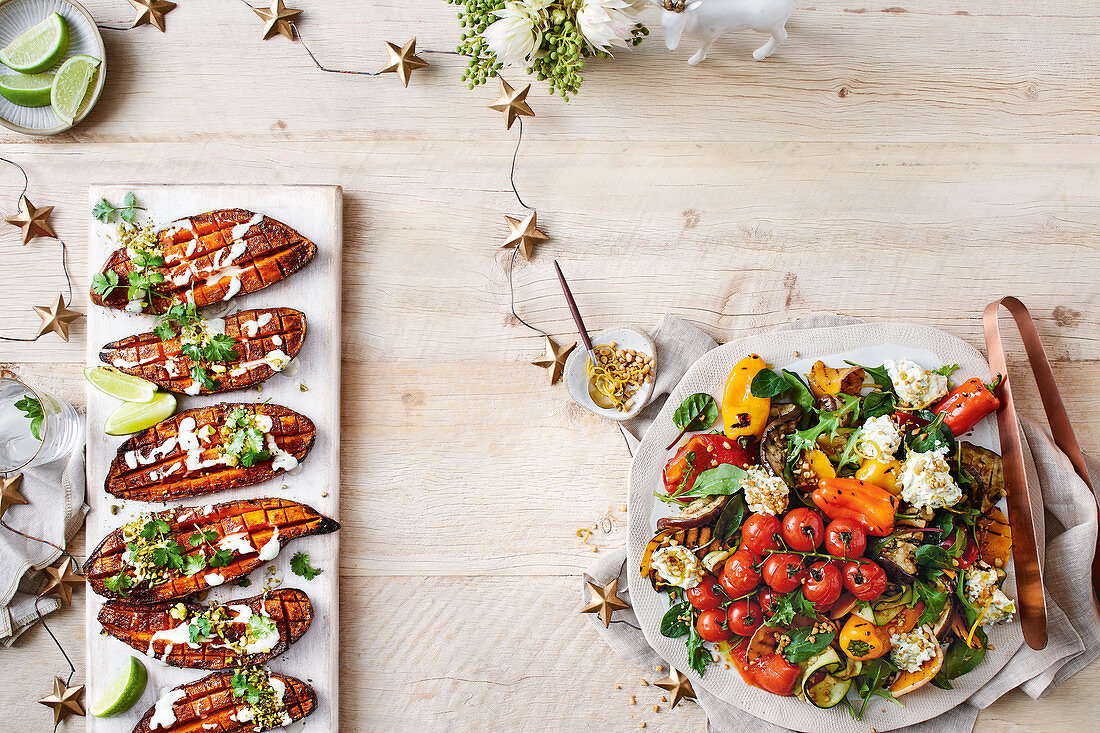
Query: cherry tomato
[
  {"x": 823, "y": 584},
  {"x": 760, "y": 533},
  {"x": 706, "y": 595},
  {"x": 783, "y": 572},
  {"x": 846, "y": 538},
  {"x": 768, "y": 597},
  {"x": 744, "y": 617},
  {"x": 864, "y": 579},
  {"x": 711, "y": 625},
  {"x": 772, "y": 672},
  {"x": 739, "y": 577},
  {"x": 803, "y": 529}
]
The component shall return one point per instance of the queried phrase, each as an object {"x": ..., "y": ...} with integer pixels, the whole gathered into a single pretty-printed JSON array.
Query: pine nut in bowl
[{"x": 622, "y": 382}]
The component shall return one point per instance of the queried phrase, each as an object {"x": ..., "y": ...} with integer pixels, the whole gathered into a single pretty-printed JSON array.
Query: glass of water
[{"x": 35, "y": 427}]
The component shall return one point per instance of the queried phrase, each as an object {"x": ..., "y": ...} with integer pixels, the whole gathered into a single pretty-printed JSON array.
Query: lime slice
[
  {"x": 124, "y": 689},
  {"x": 27, "y": 90},
  {"x": 39, "y": 48},
  {"x": 131, "y": 417},
  {"x": 119, "y": 384},
  {"x": 71, "y": 85}
]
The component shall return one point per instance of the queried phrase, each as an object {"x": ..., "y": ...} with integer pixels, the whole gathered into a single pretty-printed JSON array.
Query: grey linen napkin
[
  {"x": 1071, "y": 526},
  {"x": 55, "y": 492}
]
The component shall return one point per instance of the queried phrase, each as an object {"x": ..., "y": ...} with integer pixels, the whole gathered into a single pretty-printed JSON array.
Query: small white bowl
[{"x": 576, "y": 373}]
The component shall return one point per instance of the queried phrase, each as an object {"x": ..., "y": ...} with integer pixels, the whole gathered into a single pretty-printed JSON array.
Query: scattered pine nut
[
  {"x": 656, "y": 708},
  {"x": 632, "y": 700},
  {"x": 660, "y": 668},
  {"x": 643, "y": 682}
]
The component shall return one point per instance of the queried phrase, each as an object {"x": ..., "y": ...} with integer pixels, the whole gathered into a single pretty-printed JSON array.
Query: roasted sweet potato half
[
  {"x": 210, "y": 704},
  {"x": 177, "y": 552},
  {"x": 210, "y": 258},
  {"x": 265, "y": 340},
  {"x": 224, "y": 634},
  {"x": 201, "y": 451}
]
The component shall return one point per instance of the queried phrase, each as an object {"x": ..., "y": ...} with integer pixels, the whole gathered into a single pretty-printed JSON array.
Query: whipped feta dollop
[
  {"x": 677, "y": 565},
  {"x": 764, "y": 493},
  {"x": 915, "y": 385},
  {"x": 879, "y": 438},
  {"x": 926, "y": 481},
  {"x": 910, "y": 651},
  {"x": 983, "y": 592}
]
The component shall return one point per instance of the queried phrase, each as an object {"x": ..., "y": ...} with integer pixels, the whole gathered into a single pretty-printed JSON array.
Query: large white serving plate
[
  {"x": 315, "y": 211},
  {"x": 869, "y": 344}
]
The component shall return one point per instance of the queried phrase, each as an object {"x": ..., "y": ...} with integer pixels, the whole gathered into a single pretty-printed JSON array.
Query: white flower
[
  {"x": 677, "y": 565},
  {"x": 518, "y": 33},
  {"x": 607, "y": 23}
]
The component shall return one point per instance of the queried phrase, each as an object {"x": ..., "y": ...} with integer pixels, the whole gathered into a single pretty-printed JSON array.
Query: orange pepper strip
[{"x": 873, "y": 507}]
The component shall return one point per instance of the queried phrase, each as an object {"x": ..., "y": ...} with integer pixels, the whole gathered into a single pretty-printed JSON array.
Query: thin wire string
[
  {"x": 60, "y": 549},
  {"x": 60, "y": 648},
  {"x": 64, "y": 251}
]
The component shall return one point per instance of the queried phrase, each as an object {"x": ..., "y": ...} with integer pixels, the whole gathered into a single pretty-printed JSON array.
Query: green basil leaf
[
  {"x": 876, "y": 404},
  {"x": 932, "y": 557},
  {"x": 673, "y": 624},
  {"x": 768, "y": 384},
  {"x": 697, "y": 412},
  {"x": 730, "y": 519},
  {"x": 801, "y": 394},
  {"x": 806, "y": 644},
  {"x": 722, "y": 480},
  {"x": 960, "y": 659}
]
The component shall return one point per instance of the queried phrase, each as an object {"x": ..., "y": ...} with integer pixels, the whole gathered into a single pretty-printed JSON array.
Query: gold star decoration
[
  {"x": 151, "y": 12},
  {"x": 604, "y": 601},
  {"x": 32, "y": 220},
  {"x": 677, "y": 684},
  {"x": 512, "y": 103},
  {"x": 62, "y": 580},
  {"x": 57, "y": 318},
  {"x": 65, "y": 700},
  {"x": 403, "y": 60},
  {"x": 9, "y": 493},
  {"x": 524, "y": 234},
  {"x": 554, "y": 361},
  {"x": 277, "y": 19}
]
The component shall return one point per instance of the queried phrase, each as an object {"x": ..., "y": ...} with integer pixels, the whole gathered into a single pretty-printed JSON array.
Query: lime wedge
[
  {"x": 124, "y": 689},
  {"x": 39, "y": 48},
  {"x": 70, "y": 86},
  {"x": 119, "y": 384},
  {"x": 131, "y": 417},
  {"x": 27, "y": 90}
]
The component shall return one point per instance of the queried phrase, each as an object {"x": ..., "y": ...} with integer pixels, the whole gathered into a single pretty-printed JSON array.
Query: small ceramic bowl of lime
[{"x": 52, "y": 65}]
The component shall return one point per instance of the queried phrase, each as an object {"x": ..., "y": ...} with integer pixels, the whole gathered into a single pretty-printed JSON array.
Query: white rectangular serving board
[{"x": 316, "y": 212}]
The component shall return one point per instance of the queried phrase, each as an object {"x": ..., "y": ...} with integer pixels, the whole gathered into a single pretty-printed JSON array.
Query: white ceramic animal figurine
[{"x": 712, "y": 19}]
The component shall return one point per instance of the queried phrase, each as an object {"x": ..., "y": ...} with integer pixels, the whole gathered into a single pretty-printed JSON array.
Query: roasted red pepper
[
  {"x": 967, "y": 404},
  {"x": 700, "y": 453},
  {"x": 873, "y": 507}
]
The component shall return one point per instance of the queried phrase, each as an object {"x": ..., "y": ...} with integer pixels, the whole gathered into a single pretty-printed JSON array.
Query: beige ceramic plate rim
[{"x": 96, "y": 91}]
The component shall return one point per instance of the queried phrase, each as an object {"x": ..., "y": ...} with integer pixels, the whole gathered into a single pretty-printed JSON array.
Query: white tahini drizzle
[
  {"x": 271, "y": 548},
  {"x": 237, "y": 542},
  {"x": 163, "y": 714}
]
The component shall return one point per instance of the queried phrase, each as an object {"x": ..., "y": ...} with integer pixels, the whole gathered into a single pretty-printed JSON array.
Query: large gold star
[
  {"x": 57, "y": 318},
  {"x": 65, "y": 700},
  {"x": 677, "y": 684},
  {"x": 403, "y": 60},
  {"x": 524, "y": 234},
  {"x": 9, "y": 493},
  {"x": 554, "y": 361},
  {"x": 512, "y": 103},
  {"x": 32, "y": 220},
  {"x": 278, "y": 19},
  {"x": 151, "y": 12},
  {"x": 604, "y": 601},
  {"x": 62, "y": 580}
]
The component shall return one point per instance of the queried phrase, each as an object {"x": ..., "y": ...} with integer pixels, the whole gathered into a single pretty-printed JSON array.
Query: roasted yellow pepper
[
  {"x": 883, "y": 474},
  {"x": 859, "y": 639},
  {"x": 743, "y": 414}
]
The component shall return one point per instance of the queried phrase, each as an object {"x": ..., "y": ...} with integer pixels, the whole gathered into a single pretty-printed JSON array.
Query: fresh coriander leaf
[
  {"x": 253, "y": 440},
  {"x": 164, "y": 330},
  {"x": 119, "y": 583},
  {"x": 129, "y": 200},
  {"x": 946, "y": 370},
  {"x": 103, "y": 211},
  {"x": 221, "y": 558},
  {"x": 103, "y": 284},
  {"x": 260, "y": 626},
  {"x": 32, "y": 410},
  {"x": 677, "y": 620},
  {"x": 299, "y": 565},
  {"x": 198, "y": 628},
  {"x": 806, "y": 644},
  {"x": 194, "y": 564},
  {"x": 250, "y": 458},
  {"x": 244, "y": 583},
  {"x": 220, "y": 347},
  {"x": 199, "y": 375}
]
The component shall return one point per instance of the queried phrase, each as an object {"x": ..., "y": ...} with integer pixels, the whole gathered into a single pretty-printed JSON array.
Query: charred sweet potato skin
[
  {"x": 146, "y": 356},
  {"x": 160, "y": 480},
  {"x": 197, "y": 264},
  {"x": 136, "y": 623},
  {"x": 257, "y": 518},
  {"x": 210, "y": 701}
]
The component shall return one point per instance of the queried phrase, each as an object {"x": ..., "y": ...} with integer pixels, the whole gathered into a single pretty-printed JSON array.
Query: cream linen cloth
[
  {"x": 55, "y": 512},
  {"x": 1071, "y": 524}
]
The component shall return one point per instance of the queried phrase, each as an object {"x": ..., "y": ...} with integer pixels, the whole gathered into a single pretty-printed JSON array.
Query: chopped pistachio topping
[{"x": 253, "y": 684}]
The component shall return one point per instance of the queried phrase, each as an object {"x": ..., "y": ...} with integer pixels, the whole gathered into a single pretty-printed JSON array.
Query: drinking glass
[{"x": 35, "y": 427}]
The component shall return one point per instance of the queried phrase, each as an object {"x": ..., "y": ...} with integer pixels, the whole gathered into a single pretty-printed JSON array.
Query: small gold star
[
  {"x": 57, "y": 318},
  {"x": 679, "y": 685},
  {"x": 278, "y": 19},
  {"x": 61, "y": 581},
  {"x": 65, "y": 700},
  {"x": 32, "y": 220},
  {"x": 512, "y": 103},
  {"x": 151, "y": 12},
  {"x": 9, "y": 493},
  {"x": 403, "y": 60},
  {"x": 525, "y": 234},
  {"x": 604, "y": 601},
  {"x": 554, "y": 361}
]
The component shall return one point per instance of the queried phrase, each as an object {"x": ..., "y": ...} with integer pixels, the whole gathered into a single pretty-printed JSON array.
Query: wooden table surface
[{"x": 894, "y": 163}]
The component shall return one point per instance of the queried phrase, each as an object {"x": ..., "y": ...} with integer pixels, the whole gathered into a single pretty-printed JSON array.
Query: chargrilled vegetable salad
[{"x": 836, "y": 539}]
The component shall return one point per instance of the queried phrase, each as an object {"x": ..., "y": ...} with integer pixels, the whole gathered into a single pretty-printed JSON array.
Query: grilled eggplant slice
[
  {"x": 210, "y": 258},
  {"x": 210, "y": 704},
  {"x": 196, "y": 452},
  {"x": 161, "y": 629},
  {"x": 216, "y": 544},
  {"x": 266, "y": 340},
  {"x": 987, "y": 470}
]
